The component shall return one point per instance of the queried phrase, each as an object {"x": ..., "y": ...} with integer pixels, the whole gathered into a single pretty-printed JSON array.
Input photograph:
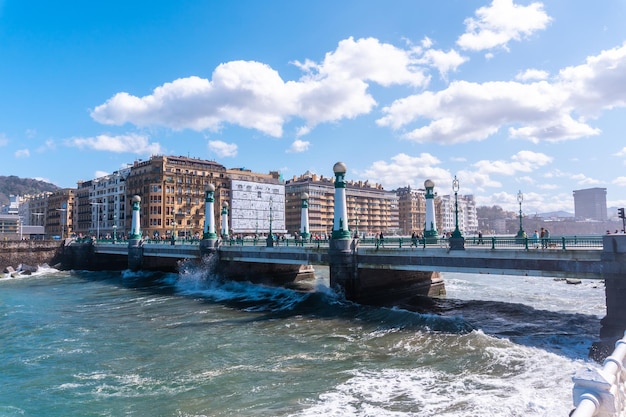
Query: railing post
[
  {"x": 563, "y": 241},
  {"x": 526, "y": 243},
  {"x": 493, "y": 243},
  {"x": 400, "y": 243}
]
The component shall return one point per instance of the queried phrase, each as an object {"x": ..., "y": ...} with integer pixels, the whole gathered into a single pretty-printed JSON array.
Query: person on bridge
[{"x": 381, "y": 239}]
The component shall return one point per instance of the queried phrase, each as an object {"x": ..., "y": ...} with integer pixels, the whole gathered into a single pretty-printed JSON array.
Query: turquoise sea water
[{"x": 123, "y": 344}]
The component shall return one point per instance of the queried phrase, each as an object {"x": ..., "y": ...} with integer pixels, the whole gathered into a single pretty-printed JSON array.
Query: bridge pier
[
  {"x": 342, "y": 268},
  {"x": 135, "y": 255},
  {"x": 614, "y": 275}
]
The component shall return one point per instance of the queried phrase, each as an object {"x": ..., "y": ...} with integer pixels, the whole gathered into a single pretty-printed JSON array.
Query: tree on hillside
[{"x": 22, "y": 186}]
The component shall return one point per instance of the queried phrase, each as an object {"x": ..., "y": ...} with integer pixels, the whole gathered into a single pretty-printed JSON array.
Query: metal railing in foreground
[
  {"x": 397, "y": 242},
  {"x": 602, "y": 392}
]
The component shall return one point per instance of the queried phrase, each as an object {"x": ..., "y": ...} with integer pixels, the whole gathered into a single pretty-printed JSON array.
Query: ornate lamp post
[
  {"x": 115, "y": 228},
  {"x": 225, "y": 219},
  {"x": 457, "y": 242},
  {"x": 270, "y": 237},
  {"x": 97, "y": 204},
  {"x": 520, "y": 233}
]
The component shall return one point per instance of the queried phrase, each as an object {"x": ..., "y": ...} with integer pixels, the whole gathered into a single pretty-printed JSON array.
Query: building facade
[
  {"x": 257, "y": 203},
  {"x": 172, "y": 194},
  {"x": 590, "y": 204},
  {"x": 468, "y": 219},
  {"x": 371, "y": 209},
  {"x": 60, "y": 214}
]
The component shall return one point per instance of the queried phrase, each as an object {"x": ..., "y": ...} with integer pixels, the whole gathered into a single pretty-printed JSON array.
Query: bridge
[{"x": 374, "y": 271}]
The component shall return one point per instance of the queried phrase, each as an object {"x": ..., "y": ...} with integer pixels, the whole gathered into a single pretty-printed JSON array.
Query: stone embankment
[{"x": 29, "y": 253}]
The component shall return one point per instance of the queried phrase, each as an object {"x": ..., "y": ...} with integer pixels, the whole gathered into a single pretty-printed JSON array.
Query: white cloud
[
  {"x": 427, "y": 42},
  {"x": 223, "y": 149},
  {"x": 501, "y": 22},
  {"x": 3, "y": 140},
  {"x": 532, "y": 74},
  {"x": 538, "y": 111},
  {"x": 467, "y": 111},
  {"x": 131, "y": 143},
  {"x": 49, "y": 144},
  {"x": 100, "y": 174},
  {"x": 599, "y": 83},
  {"x": 582, "y": 179},
  {"x": 406, "y": 170},
  {"x": 22, "y": 153},
  {"x": 369, "y": 60},
  {"x": 299, "y": 146},
  {"x": 444, "y": 62},
  {"x": 620, "y": 181},
  {"x": 523, "y": 161},
  {"x": 621, "y": 152},
  {"x": 253, "y": 95}
]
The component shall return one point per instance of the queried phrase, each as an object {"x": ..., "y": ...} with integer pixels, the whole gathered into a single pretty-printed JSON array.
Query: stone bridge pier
[{"x": 614, "y": 274}]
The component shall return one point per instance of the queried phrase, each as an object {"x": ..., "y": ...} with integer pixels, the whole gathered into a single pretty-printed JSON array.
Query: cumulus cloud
[
  {"x": 552, "y": 111},
  {"x": 532, "y": 74},
  {"x": 22, "y": 153},
  {"x": 598, "y": 84},
  {"x": 253, "y": 95},
  {"x": 501, "y": 22},
  {"x": 620, "y": 181},
  {"x": 49, "y": 144},
  {"x": 298, "y": 146},
  {"x": 131, "y": 143},
  {"x": 523, "y": 161},
  {"x": 407, "y": 170},
  {"x": 223, "y": 149},
  {"x": 444, "y": 62},
  {"x": 467, "y": 111}
]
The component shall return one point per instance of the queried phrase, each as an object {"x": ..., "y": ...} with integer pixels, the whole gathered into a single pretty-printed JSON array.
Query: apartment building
[
  {"x": 59, "y": 218},
  {"x": 371, "y": 209},
  {"x": 172, "y": 190},
  {"x": 100, "y": 205},
  {"x": 257, "y": 202}
]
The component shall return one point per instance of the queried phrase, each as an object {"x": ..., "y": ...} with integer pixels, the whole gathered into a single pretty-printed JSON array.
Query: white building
[
  {"x": 254, "y": 204},
  {"x": 468, "y": 219},
  {"x": 107, "y": 198}
]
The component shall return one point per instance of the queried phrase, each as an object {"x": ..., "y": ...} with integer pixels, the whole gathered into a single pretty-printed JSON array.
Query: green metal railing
[{"x": 396, "y": 242}]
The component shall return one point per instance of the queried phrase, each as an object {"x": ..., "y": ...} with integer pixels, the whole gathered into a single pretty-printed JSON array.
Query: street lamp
[
  {"x": 114, "y": 228},
  {"x": 457, "y": 242},
  {"x": 97, "y": 204},
  {"x": 270, "y": 238},
  {"x": 62, "y": 221},
  {"x": 520, "y": 232}
]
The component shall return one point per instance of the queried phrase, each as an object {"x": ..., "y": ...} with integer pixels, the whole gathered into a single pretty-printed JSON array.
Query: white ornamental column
[
  {"x": 430, "y": 226},
  {"x": 209, "y": 218},
  {"x": 225, "y": 219},
  {"x": 304, "y": 218},
  {"x": 340, "y": 221},
  {"x": 135, "y": 226}
]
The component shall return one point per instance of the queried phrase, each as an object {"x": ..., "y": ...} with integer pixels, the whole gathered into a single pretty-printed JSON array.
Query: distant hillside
[{"x": 22, "y": 186}]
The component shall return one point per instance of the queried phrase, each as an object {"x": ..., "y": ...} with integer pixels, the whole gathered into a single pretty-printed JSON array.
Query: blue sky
[{"x": 506, "y": 95}]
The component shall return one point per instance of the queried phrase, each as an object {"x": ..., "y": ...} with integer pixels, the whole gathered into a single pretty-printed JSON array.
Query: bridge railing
[
  {"x": 602, "y": 392},
  {"x": 489, "y": 242},
  {"x": 495, "y": 242}
]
